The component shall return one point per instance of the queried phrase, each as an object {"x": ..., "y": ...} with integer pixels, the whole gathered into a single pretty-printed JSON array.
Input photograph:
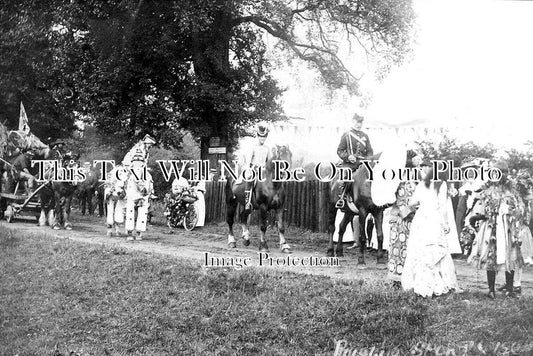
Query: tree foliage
[
  {"x": 132, "y": 67},
  {"x": 450, "y": 149}
]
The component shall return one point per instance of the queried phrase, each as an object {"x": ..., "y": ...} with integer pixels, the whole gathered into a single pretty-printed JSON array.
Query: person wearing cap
[
  {"x": 140, "y": 148},
  {"x": 58, "y": 150},
  {"x": 354, "y": 147},
  {"x": 255, "y": 159},
  {"x": 497, "y": 245}
]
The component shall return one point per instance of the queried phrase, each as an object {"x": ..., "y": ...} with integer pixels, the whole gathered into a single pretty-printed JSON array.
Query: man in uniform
[
  {"x": 255, "y": 159},
  {"x": 353, "y": 148},
  {"x": 58, "y": 150},
  {"x": 141, "y": 147}
]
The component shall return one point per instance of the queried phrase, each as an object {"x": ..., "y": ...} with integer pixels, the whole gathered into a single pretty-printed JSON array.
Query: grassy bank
[{"x": 58, "y": 297}]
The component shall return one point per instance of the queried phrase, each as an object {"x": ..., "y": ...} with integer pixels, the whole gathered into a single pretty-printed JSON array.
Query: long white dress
[{"x": 429, "y": 268}]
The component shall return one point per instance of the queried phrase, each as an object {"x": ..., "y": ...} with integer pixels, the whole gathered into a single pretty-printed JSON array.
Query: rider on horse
[
  {"x": 353, "y": 148},
  {"x": 255, "y": 158}
]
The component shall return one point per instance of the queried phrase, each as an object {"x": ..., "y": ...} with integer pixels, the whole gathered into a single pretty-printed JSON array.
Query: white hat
[{"x": 149, "y": 140}]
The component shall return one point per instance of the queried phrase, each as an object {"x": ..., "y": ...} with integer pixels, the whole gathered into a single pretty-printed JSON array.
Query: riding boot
[
  {"x": 340, "y": 202},
  {"x": 491, "y": 279},
  {"x": 509, "y": 276}
]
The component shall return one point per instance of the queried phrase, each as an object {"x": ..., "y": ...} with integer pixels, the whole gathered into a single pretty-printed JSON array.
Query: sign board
[{"x": 216, "y": 150}]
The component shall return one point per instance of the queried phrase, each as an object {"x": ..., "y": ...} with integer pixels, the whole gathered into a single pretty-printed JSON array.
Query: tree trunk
[{"x": 212, "y": 66}]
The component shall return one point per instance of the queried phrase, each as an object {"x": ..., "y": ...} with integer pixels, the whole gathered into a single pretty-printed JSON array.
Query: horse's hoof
[
  {"x": 109, "y": 234},
  {"x": 285, "y": 248},
  {"x": 68, "y": 228},
  {"x": 56, "y": 228},
  {"x": 263, "y": 247},
  {"x": 339, "y": 252},
  {"x": 361, "y": 261},
  {"x": 246, "y": 242},
  {"x": 330, "y": 252},
  {"x": 232, "y": 244}
]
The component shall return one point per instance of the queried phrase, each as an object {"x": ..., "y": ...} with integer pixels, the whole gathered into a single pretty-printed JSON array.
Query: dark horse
[
  {"x": 359, "y": 202},
  {"x": 56, "y": 197},
  {"x": 267, "y": 195}
]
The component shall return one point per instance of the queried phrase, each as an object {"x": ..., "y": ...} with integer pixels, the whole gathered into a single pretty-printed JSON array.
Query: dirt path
[{"x": 212, "y": 240}]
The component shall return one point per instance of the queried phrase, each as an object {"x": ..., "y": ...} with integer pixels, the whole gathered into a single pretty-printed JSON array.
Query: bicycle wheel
[{"x": 191, "y": 218}]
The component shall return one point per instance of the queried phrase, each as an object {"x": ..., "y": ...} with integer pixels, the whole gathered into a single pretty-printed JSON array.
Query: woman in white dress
[{"x": 429, "y": 268}]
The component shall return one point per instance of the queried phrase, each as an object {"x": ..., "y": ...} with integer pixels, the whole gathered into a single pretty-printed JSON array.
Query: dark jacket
[{"x": 356, "y": 143}]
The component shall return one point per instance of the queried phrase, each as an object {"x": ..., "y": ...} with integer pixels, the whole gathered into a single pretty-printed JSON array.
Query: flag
[{"x": 23, "y": 120}]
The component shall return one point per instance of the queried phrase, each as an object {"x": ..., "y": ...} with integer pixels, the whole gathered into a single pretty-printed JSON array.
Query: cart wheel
[
  {"x": 9, "y": 213},
  {"x": 191, "y": 218}
]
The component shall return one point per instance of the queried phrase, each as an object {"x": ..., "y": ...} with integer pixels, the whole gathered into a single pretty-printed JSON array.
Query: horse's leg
[
  {"x": 263, "y": 211},
  {"x": 42, "y": 217},
  {"x": 363, "y": 213},
  {"x": 331, "y": 230},
  {"x": 90, "y": 195},
  {"x": 348, "y": 216},
  {"x": 83, "y": 202},
  {"x": 283, "y": 245},
  {"x": 245, "y": 222},
  {"x": 58, "y": 212},
  {"x": 378, "y": 223},
  {"x": 231, "y": 208},
  {"x": 66, "y": 208}
]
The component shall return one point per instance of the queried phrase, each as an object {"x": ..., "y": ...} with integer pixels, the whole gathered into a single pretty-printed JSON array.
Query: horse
[
  {"x": 56, "y": 196},
  {"x": 359, "y": 203},
  {"x": 269, "y": 195},
  {"x": 87, "y": 190}
]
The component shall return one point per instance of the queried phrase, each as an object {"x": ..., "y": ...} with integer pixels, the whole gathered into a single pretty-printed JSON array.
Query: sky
[{"x": 471, "y": 72}]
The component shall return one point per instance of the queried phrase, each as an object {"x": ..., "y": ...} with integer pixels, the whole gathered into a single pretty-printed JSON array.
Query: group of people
[{"x": 423, "y": 234}]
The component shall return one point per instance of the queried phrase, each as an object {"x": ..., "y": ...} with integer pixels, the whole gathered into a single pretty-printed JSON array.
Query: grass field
[{"x": 61, "y": 298}]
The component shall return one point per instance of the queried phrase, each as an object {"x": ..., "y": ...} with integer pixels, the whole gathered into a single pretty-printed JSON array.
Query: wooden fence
[{"x": 306, "y": 204}]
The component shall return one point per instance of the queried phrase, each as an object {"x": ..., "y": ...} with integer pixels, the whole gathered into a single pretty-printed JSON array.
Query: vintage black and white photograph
[{"x": 270, "y": 177}]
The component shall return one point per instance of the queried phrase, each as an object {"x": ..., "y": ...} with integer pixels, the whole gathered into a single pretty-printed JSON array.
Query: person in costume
[
  {"x": 401, "y": 215},
  {"x": 141, "y": 148},
  {"x": 20, "y": 170},
  {"x": 429, "y": 269},
  {"x": 138, "y": 190},
  {"x": 497, "y": 243},
  {"x": 354, "y": 147}
]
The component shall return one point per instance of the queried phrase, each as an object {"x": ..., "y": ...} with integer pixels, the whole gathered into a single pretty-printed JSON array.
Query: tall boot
[
  {"x": 509, "y": 276},
  {"x": 491, "y": 279},
  {"x": 340, "y": 202}
]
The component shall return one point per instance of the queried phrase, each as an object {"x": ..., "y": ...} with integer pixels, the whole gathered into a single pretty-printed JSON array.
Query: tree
[
  {"x": 31, "y": 69},
  {"x": 147, "y": 66}
]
